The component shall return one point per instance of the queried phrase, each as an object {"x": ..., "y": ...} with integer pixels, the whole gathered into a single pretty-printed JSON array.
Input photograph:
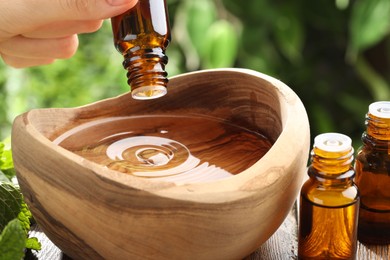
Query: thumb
[{"x": 20, "y": 16}]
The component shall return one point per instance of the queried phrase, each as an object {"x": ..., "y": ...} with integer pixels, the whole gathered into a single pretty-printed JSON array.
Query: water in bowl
[{"x": 180, "y": 149}]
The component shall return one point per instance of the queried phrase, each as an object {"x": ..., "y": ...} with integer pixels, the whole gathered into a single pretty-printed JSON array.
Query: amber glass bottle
[
  {"x": 373, "y": 176},
  {"x": 141, "y": 35},
  {"x": 329, "y": 202}
]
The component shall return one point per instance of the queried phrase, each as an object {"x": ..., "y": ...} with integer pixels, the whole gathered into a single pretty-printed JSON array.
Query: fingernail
[{"x": 118, "y": 2}]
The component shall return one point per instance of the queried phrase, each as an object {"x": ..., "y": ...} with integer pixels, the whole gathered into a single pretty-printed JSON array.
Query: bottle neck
[
  {"x": 146, "y": 72},
  {"x": 331, "y": 165},
  {"x": 377, "y": 128}
]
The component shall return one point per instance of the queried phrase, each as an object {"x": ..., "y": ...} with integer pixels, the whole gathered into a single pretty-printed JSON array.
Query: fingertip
[
  {"x": 92, "y": 26},
  {"x": 118, "y": 7},
  {"x": 67, "y": 46},
  {"x": 122, "y": 2}
]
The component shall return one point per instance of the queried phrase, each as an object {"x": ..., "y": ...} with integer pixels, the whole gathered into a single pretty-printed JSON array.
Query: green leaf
[
  {"x": 13, "y": 206},
  {"x": 4, "y": 178},
  {"x": 12, "y": 241},
  {"x": 369, "y": 24},
  {"x": 222, "y": 45},
  {"x": 10, "y": 203},
  {"x": 2, "y": 145},
  {"x": 6, "y": 161},
  {"x": 24, "y": 216},
  {"x": 33, "y": 243}
]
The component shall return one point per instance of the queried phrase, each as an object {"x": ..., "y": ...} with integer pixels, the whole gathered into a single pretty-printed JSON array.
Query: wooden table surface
[{"x": 282, "y": 245}]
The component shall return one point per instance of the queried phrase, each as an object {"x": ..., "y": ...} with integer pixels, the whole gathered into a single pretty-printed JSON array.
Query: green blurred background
[{"x": 335, "y": 54}]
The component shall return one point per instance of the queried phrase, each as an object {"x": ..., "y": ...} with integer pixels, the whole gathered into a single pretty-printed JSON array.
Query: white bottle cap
[
  {"x": 333, "y": 142},
  {"x": 380, "y": 109}
]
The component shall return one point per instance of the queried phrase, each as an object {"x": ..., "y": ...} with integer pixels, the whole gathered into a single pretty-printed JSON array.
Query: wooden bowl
[{"x": 91, "y": 212}]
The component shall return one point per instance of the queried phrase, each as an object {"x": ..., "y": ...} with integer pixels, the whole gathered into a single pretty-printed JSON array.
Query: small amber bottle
[
  {"x": 373, "y": 176},
  {"x": 329, "y": 201},
  {"x": 142, "y": 35}
]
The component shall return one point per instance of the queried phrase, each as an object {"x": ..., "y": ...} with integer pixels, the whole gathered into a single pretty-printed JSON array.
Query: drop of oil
[{"x": 179, "y": 149}]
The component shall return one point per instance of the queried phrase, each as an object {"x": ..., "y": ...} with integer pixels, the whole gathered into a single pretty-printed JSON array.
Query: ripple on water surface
[{"x": 180, "y": 149}]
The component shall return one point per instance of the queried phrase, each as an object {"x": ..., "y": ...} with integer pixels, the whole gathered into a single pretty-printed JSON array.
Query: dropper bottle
[
  {"x": 373, "y": 176},
  {"x": 142, "y": 35},
  {"x": 329, "y": 201}
]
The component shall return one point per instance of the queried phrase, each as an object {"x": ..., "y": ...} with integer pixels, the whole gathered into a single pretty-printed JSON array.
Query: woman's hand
[{"x": 37, "y": 32}]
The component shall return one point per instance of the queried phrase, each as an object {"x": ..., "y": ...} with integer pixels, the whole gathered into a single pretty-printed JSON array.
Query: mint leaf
[
  {"x": 24, "y": 216},
  {"x": 4, "y": 178},
  {"x": 33, "y": 243},
  {"x": 14, "y": 214},
  {"x": 6, "y": 161},
  {"x": 11, "y": 201},
  {"x": 12, "y": 241}
]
